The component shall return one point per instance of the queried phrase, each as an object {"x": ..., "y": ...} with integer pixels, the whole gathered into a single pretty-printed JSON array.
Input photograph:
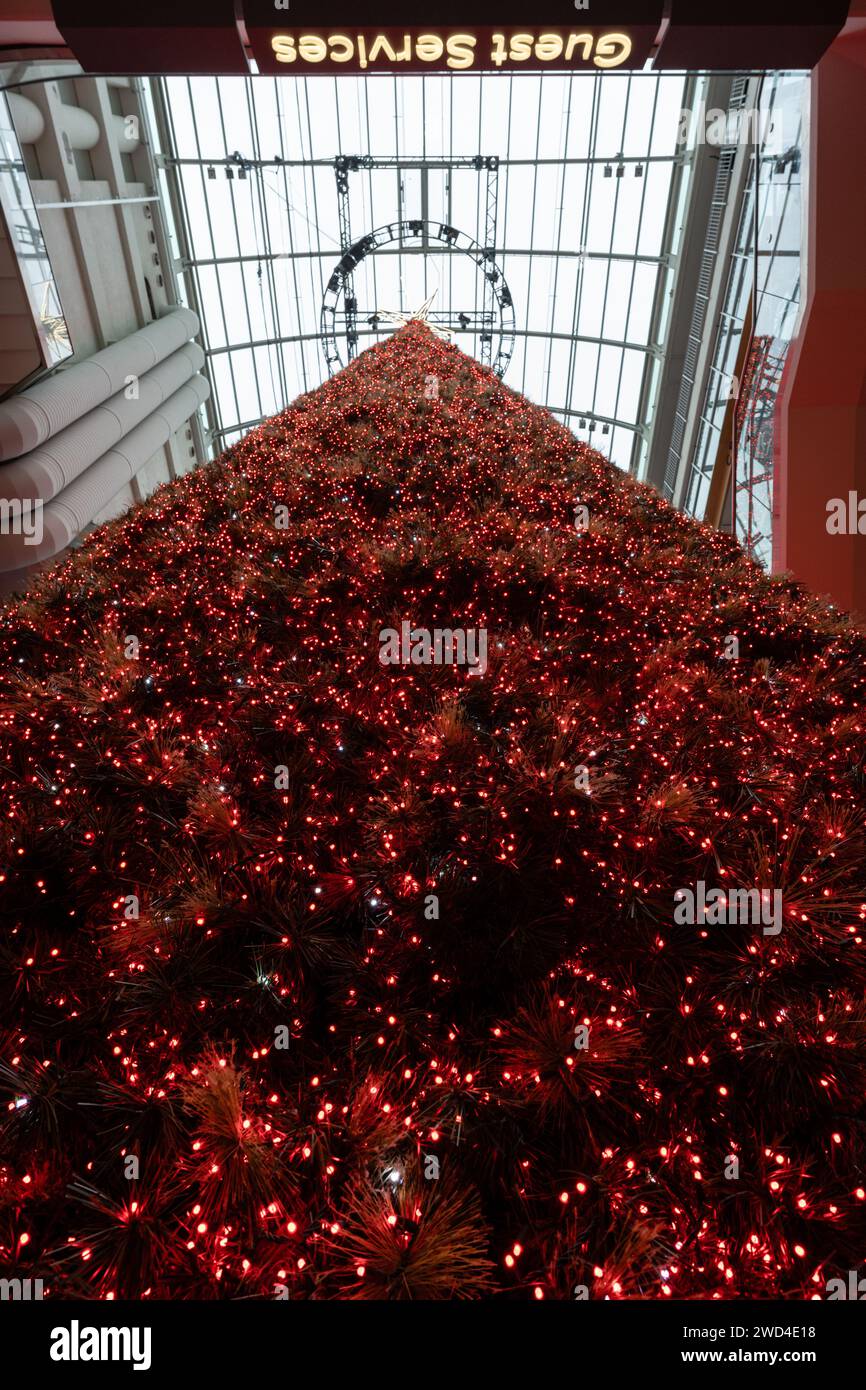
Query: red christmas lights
[{"x": 328, "y": 978}]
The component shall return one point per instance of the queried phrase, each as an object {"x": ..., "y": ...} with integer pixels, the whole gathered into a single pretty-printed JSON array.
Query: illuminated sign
[
  {"x": 365, "y": 49},
  {"x": 331, "y": 36}
]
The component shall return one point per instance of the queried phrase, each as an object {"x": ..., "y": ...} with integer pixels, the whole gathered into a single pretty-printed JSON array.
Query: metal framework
[
  {"x": 696, "y": 296},
  {"x": 553, "y": 254},
  {"x": 752, "y": 505},
  {"x": 341, "y": 285},
  {"x": 750, "y": 317},
  {"x": 424, "y": 232}
]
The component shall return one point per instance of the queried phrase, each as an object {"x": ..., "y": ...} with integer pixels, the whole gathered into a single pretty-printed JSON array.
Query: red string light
[{"x": 301, "y": 949}]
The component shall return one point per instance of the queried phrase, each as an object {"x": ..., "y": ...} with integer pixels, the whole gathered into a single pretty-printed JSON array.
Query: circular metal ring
[{"x": 340, "y": 283}]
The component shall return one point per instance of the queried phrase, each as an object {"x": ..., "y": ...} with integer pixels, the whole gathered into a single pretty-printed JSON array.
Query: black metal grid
[{"x": 585, "y": 166}]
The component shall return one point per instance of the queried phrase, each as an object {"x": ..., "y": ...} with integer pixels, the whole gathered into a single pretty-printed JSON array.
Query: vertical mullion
[
  {"x": 211, "y": 235},
  {"x": 251, "y": 91},
  {"x": 644, "y": 181},
  {"x": 300, "y": 348},
  {"x": 584, "y": 222},
  {"x": 238, "y": 245},
  {"x": 610, "y": 247},
  {"x": 558, "y": 241},
  {"x": 532, "y": 234}
]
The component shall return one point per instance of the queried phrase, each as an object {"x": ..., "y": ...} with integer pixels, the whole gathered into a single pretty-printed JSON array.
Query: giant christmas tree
[{"x": 346, "y": 977}]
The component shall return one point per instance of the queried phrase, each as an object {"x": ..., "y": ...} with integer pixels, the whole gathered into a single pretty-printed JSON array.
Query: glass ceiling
[{"x": 579, "y": 214}]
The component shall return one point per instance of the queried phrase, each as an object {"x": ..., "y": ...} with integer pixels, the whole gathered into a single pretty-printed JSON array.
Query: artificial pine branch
[{"x": 284, "y": 924}]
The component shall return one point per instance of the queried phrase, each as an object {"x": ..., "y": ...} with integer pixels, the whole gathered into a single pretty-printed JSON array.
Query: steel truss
[{"x": 496, "y": 295}]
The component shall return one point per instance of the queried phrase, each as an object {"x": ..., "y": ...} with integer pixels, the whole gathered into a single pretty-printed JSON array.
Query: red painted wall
[{"x": 821, "y": 412}]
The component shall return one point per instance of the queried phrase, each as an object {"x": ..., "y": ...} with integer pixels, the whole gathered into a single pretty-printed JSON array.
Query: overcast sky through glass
[{"x": 579, "y": 245}]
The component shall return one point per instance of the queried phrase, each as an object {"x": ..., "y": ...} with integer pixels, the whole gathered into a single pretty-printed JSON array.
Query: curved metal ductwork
[
  {"x": 64, "y": 518},
  {"x": 28, "y": 419},
  {"x": 80, "y": 127},
  {"x": 28, "y": 118},
  {"x": 47, "y": 470}
]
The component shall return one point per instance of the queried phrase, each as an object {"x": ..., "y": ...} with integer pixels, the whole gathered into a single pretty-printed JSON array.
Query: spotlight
[
  {"x": 608, "y": 171},
  {"x": 230, "y": 173},
  {"x": 211, "y": 172},
  {"x": 242, "y": 172},
  {"x": 582, "y": 423},
  {"x": 620, "y": 170},
  {"x": 638, "y": 171},
  {"x": 791, "y": 156}
]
